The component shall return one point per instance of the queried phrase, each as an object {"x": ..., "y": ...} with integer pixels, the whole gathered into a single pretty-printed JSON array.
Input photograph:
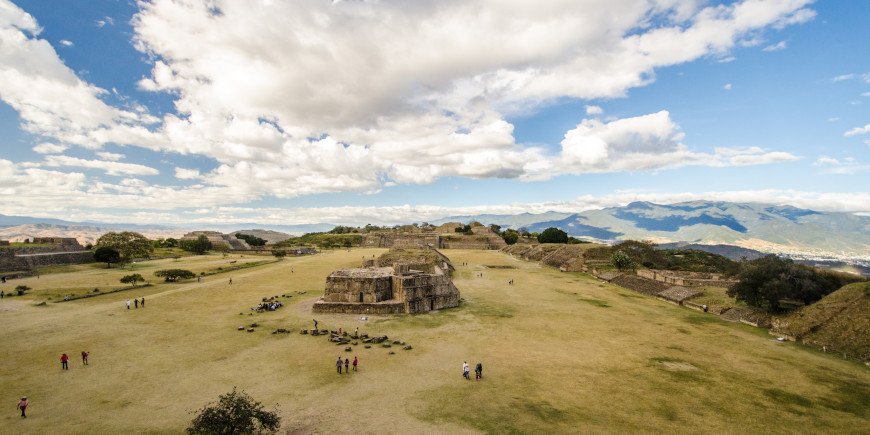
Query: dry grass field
[{"x": 562, "y": 353}]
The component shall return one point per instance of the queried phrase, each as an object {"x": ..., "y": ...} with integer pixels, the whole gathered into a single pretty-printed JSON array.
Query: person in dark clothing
[
  {"x": 338, "y": 365},
  {"x": 85, "y": 357},
  {"x": 143, "y": 302},
  {"x": 136, "y": 303},
  {"x": 63, "y": 362},
  {"x": 479, "y": 370},
  {"x": 347, "y": 366}
]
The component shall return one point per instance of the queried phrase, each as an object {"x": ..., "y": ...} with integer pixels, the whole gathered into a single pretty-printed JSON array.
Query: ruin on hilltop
[
  {"x": 400, "y": 281},
  {"x": 441, "y": 237}
]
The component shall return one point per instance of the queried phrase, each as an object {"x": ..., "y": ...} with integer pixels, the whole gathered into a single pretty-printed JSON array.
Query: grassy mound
[{"x": 840, "y": 322}]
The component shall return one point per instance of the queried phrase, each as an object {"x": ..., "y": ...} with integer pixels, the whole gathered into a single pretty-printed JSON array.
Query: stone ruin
[
  {"x": 46, "y": 251},
  {"x": 403, "y": 287},
  {"x": 686, "y": 279},
  {"x": 217, "y": 238}
]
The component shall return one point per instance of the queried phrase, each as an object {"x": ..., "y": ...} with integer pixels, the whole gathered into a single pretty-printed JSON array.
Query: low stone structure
[
  {"x": 677, "y": 294},
  {"x": 60, "y": 250},
  {"x": 686, "y": 279},
  {"x": 400, "y": 288},
  {"x": 443, "y": 237}
]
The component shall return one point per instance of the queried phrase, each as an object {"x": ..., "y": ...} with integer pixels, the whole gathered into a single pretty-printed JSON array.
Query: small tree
[
  {"x": 495, "y": 228},
  {"x": 132, "y": 279},
  {"x": 234, "y": 413},
  {"x": 174, "y": 274},
  {"x": 107, "y": 255},
  {"x": 510, "y": 236},
  {"x": 279, "y": 254},
  {"x": 622, "y": 261}
]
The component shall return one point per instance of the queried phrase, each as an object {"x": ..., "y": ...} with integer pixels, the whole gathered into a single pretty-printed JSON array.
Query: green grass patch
[{"x": 595, "y": 302}]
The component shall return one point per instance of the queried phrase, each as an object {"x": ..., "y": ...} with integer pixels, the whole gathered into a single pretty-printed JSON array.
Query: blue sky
[{"x": 353, "y": 112}]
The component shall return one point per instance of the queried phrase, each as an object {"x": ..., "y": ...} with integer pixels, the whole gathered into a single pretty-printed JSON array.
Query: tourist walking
[
  {"x": 2, "y": 294},
  {"x": 315, "y": 323},
  {"x": 479, "y": 370},
  {"x": 347, "y": 366},
  {"x": 22, "y": 405},
  {"x": 128, "y": 305},
  {"x": 136, "y": 303},
  {"x": 354, "y": 363},
  {"x": 143, "y": 302},
  {"x": 63, "y": 362},
  {"x": 338, "y": 365},
  {"x": 231, "y": 281},
  {"x": 85, "y": 357},
  {"x": 465, "y": 371}
]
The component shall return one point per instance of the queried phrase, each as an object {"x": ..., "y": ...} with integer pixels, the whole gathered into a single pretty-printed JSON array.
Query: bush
[
  {"x": 21, "y": 289},
  {"x": 769, "y": 282},
  {"x": 622, "y": 261},
  {"x": 174, "y": 274},
  {"x": 234, "y": 413},
  {"x": 199, "y": 246},
  {"x": 553, "y": 235}
]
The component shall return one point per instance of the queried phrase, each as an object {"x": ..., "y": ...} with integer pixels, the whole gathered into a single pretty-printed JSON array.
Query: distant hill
[
  {"x": 83, "y": 233},
  {"x": 762, "y": 227},
  {"x": 18, "y": 228}
]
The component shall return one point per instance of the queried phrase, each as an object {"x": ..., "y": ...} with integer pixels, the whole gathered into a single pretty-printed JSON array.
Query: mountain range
[
  {"x": 762, "y": 227},
  {"x": 768, "y": 228}
]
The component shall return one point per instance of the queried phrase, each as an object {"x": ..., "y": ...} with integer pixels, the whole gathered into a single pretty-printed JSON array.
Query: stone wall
[{"x": 391, "y": 307}]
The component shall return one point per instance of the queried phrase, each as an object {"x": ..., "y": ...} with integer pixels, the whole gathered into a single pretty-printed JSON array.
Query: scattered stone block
[
  {"x": 304, "y": 332},
  {"x": 408, "y": 347},
  {"x": 368, "y": 346},
  {"x": 241, "y": 328},
  {"x": 250, "y": 329},
  {"x": 254, "y": 325},
  {"x": 348, "y": 349},
  {"x": 392, "y": 353},
  {"x": 387, "y": 345}
]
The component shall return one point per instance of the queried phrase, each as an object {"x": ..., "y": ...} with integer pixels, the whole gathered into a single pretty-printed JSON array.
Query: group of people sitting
[{"x": 270, "y": 304}]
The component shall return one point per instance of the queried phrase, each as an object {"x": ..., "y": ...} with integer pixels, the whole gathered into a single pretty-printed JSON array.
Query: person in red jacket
[
  {"x": 63, "y": 360},
  {"x": 85, "y": 357},
  {"x": 22, "y": 405}
]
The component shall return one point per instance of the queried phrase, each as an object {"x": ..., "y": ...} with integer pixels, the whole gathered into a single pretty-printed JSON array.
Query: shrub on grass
[
  {"x": 174, "y": 274},
  {"x": 234, "y": 413}
]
